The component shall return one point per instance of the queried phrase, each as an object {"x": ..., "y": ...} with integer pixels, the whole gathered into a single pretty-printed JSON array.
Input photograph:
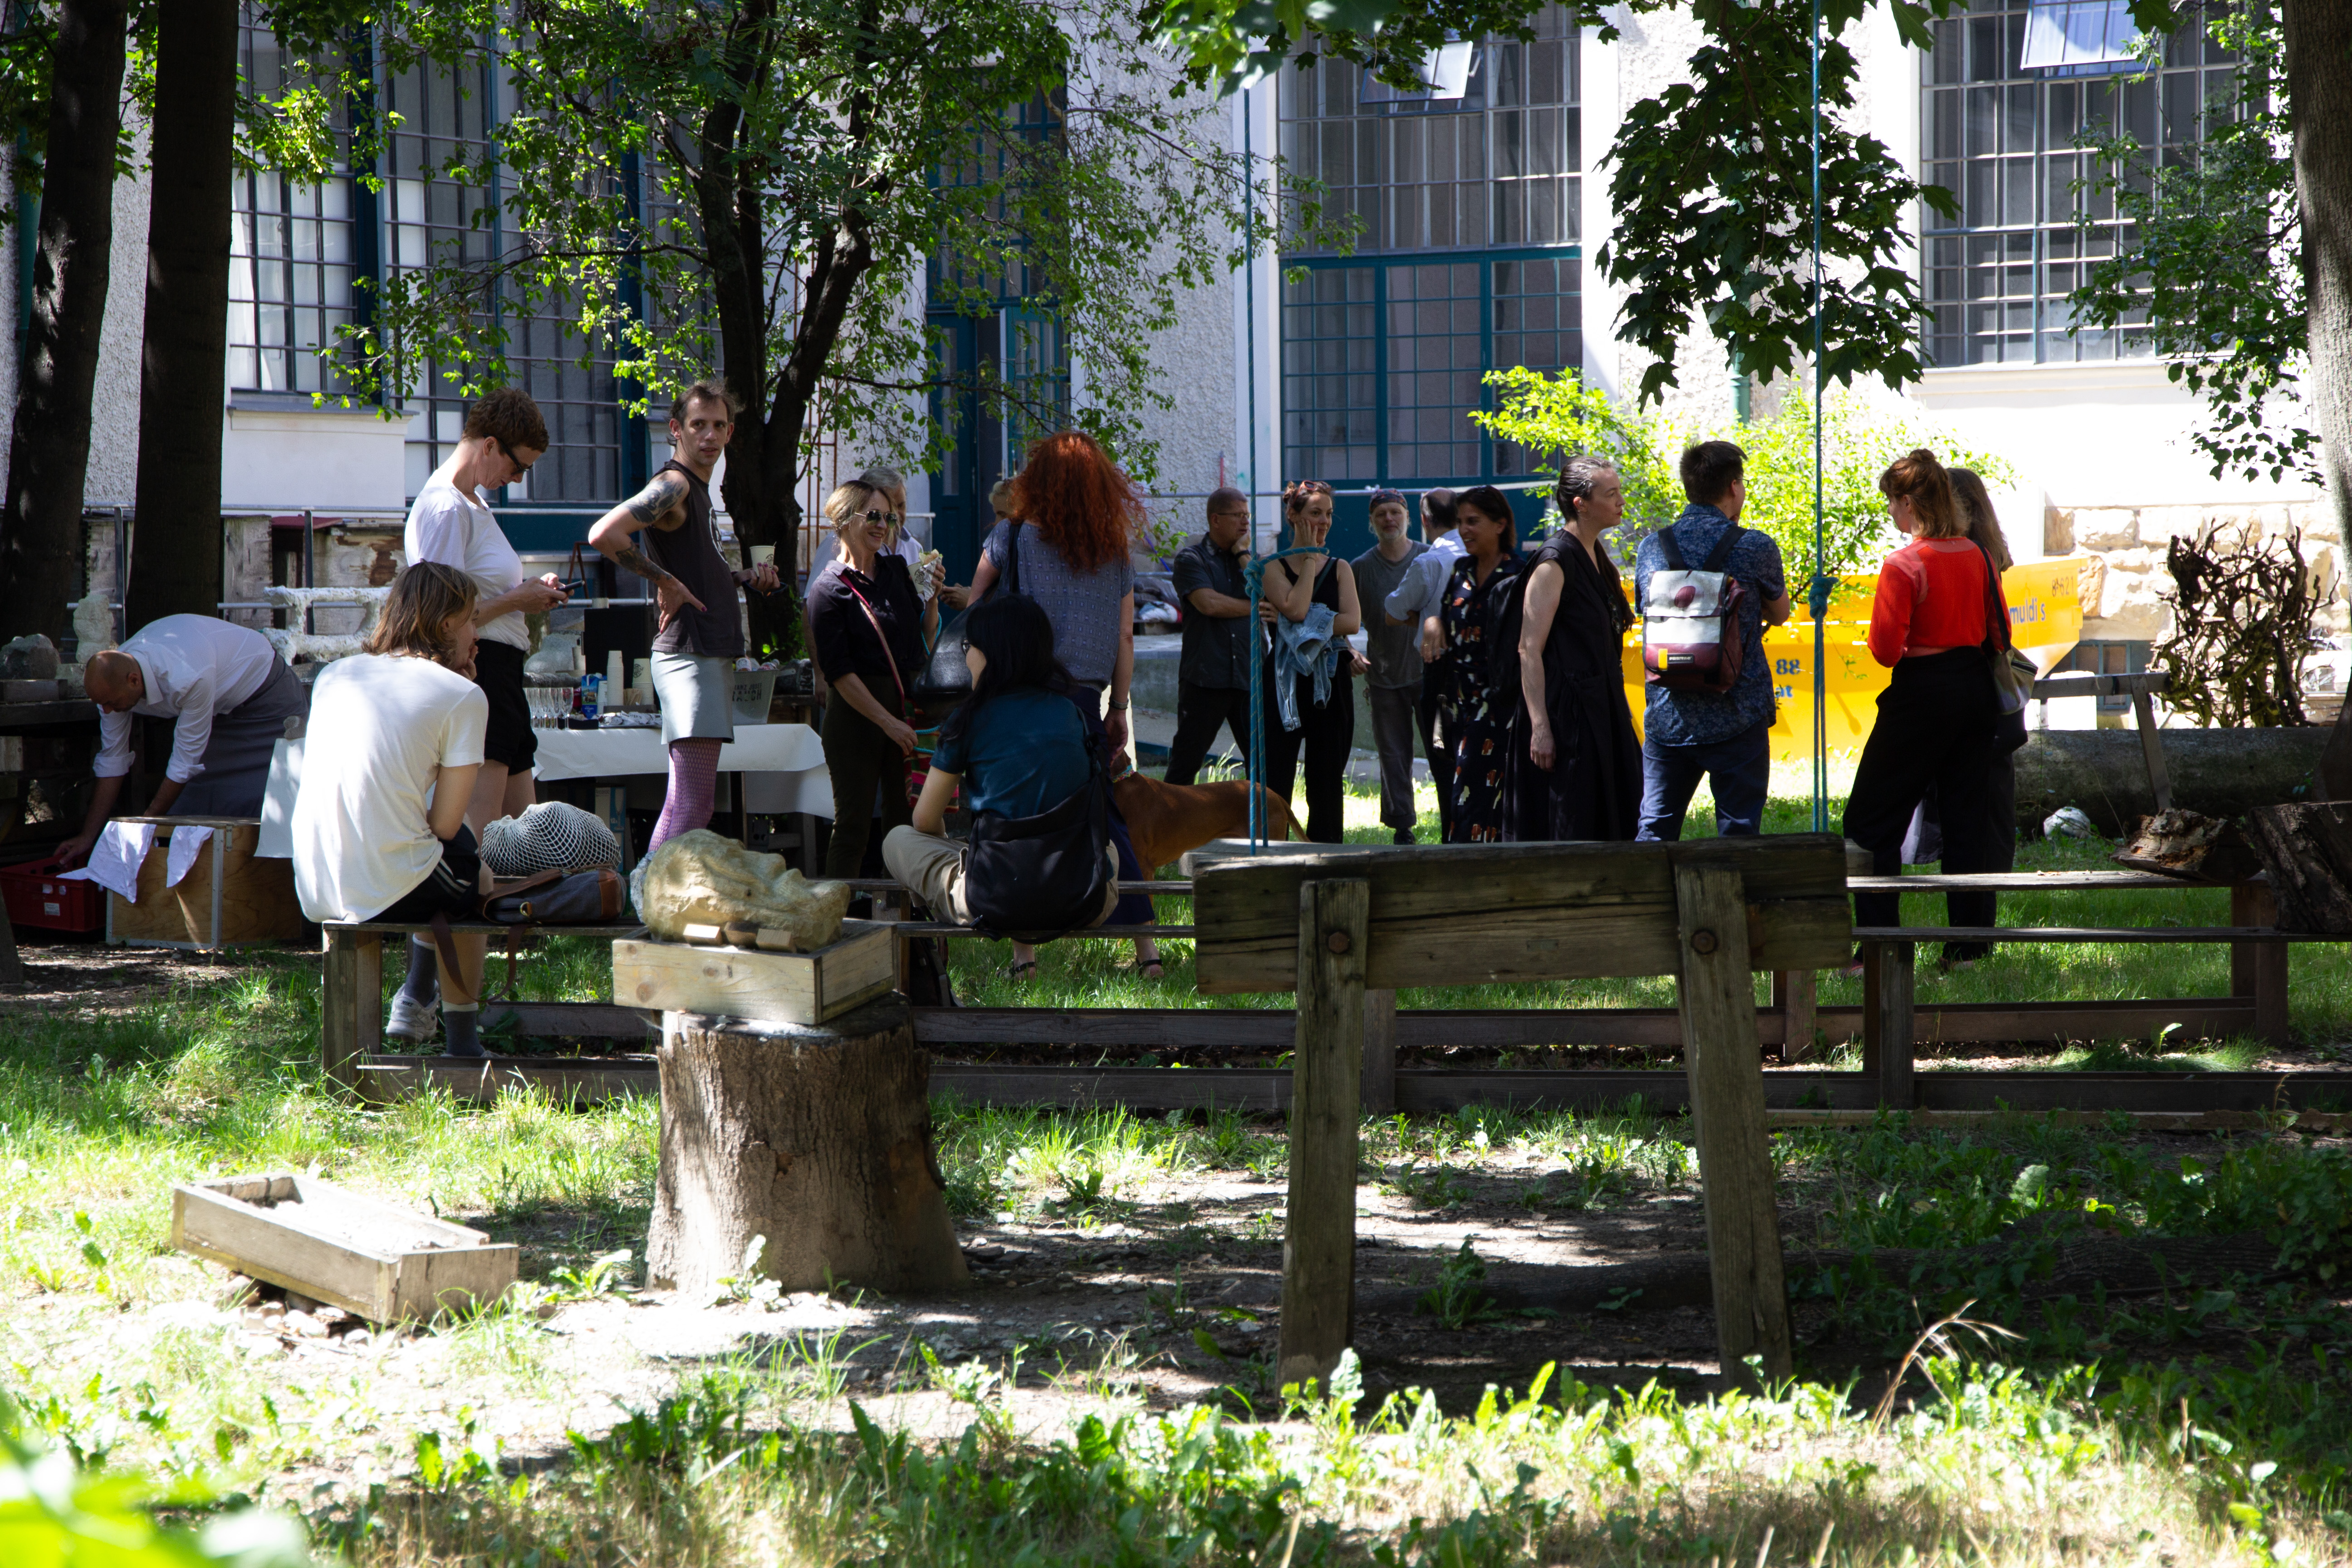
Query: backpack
[
  {"x": 1690, "y": 620},
  {"x": 1034, "y": 879}
]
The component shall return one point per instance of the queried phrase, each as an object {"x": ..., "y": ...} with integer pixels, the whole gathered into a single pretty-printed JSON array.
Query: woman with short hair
[
  {"x": 1578, "y": 776},
  {"x": 868, "y": 631},
  {"x": 1937, "y": 605},
  {"x": 389, "y": 762},
  {"x": 1486, "y": 718}
]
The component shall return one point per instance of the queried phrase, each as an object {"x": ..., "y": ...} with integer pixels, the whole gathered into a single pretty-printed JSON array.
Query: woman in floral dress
[{"x": 1486, "y": 721}]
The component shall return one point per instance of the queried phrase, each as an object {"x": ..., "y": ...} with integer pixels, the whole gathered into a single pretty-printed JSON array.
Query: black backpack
[{"x": 1032, "y": 878}]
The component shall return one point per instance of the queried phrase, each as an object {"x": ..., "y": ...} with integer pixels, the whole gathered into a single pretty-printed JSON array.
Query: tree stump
[
  {"x": 817, "y": 1139},
  {"x": 2306, "y": 847}
]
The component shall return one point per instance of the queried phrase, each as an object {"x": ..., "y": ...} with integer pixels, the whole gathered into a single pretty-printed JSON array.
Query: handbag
[
  {"x": 2012, "y": 685},
  {"x": 1032, "y": 878},
  {"x": 945, "y": 683}
]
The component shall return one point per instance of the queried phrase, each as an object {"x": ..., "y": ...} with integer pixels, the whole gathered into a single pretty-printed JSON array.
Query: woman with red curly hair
[
  {"x": 1066, "y": 545},
  {"x": 1075, "y": 517}
]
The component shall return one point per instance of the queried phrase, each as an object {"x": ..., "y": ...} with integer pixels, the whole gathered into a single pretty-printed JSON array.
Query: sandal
[
  {"x": 1017, "y": 973},
  {"x": 1155, "y": 970}
]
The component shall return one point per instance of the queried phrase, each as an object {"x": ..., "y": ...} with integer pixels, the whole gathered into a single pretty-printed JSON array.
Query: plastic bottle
[{"x": 591, "y": 696}]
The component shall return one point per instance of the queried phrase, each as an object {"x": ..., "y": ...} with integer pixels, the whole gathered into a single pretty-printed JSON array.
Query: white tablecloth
[{"x": 782, "y": 767}]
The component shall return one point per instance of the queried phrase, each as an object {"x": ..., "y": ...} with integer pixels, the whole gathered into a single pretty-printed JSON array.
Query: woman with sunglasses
[
  {"x": 867, "y": 630},
  {"x": 1322, "y": 694}
]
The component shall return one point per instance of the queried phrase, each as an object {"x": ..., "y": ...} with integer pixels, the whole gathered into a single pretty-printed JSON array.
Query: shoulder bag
[
  {"x": 1032, "y": 878},
  {"x": 2012, "y": 673},
  {"x": 945, "y": 683}
]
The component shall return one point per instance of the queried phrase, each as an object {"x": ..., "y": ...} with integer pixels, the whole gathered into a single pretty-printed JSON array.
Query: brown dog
[{"x": 1165, "y": 820}]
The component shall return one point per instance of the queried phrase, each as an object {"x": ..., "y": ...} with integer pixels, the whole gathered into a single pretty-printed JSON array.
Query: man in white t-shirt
[
  {"x": 379, "y": 827},
  {"x": 450, "y": 523},
  {"x": 229, "y": 695}
]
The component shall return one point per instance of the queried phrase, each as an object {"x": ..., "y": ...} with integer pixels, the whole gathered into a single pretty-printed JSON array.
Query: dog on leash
[{"x": 1165, "y": 820}]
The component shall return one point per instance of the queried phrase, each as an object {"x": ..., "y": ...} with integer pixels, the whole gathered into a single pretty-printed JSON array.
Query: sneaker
[
  {"x": 1403, "y": 836},
  {"x": 411, "y": 1019}
]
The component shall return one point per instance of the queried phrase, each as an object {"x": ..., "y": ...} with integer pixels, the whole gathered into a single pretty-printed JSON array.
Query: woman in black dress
[
  {"x": 1580, "y": 774},
  {"x": 1326, "y": 730},
  {"x": 1485, "y": 717}
]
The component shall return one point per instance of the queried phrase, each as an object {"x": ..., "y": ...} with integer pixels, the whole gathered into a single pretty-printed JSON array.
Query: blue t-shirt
[
  {"x": 1019, "y": 754},
  {"x": 1703, "y": 718}
]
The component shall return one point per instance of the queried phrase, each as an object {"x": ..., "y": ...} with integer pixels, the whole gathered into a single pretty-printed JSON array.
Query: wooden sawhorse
[{"x": 1332, "y": 923}]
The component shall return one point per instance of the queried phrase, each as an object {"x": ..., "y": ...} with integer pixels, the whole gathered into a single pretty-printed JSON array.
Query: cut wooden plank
[
  {"x": 2085, "y": 933},
  {"x": 379, "y": 1262},
  {"x": 2088, "y": 881},
  {"x": 1466, "y": 914},
  {"x": 568, "y": 1080},
  {"x": 1794, "y": 998},
  {"x": 1318, "y": 1244},
  {"x": 1735, "y": 1157},
  {"x": 572, "y": 1020},
  {"x": 341, "y": 1003},
  {"x": 1888, "y": 986},
  {"x": 1379, "y": 1052},
  {"x": 739, "y": 982}
]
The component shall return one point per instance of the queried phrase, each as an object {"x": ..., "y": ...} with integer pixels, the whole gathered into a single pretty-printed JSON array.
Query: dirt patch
[{"x": 86, "y": 978}]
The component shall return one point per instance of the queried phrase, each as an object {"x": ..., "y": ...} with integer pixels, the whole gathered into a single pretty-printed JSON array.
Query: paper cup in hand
[{"x": 763, "y": 555}]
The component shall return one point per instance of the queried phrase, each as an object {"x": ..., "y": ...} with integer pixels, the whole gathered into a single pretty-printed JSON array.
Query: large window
[
  {"x": 428, "y": 216},
  {"x": 1466, "y": 261},
  {"x": 2000, "y": 134},
  {"x": 290, "y": 252}
]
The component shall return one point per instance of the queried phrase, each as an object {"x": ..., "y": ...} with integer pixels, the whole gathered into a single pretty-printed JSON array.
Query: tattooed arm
[{"x": 658, "y": 505}]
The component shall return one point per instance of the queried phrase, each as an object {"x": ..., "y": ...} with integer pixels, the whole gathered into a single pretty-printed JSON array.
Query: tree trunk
[
  {"x": 815, "y": 1142},
  {"x": 2319, "y": 84},
  {"x": 182, "y": 367},
  {"x": 2219, "y": 773},
  {"x": 2307, "y": 850},
  {"x": 48, "y": 453}
]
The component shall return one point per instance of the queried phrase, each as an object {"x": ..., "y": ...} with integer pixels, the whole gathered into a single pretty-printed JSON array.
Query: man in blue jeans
[{"x": 1723, "y": 737}]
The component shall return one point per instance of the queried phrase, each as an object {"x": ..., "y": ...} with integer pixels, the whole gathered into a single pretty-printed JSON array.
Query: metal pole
[{"x": 1818, "y": 597}]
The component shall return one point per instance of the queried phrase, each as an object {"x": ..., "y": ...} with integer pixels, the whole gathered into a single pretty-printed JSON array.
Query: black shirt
[
  {"x": 842, "y": 637},
  {"x": 1216, "y": 647},
  {"x": 690, "y": 554}
]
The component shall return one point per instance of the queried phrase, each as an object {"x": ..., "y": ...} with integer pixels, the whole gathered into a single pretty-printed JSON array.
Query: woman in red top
[{"x": 1937, "y": 718}]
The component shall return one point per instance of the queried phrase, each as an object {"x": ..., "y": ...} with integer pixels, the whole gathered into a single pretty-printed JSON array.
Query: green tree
[
  {"x": 2213, "y": 254},
  {"x": 779, "y": 178}
]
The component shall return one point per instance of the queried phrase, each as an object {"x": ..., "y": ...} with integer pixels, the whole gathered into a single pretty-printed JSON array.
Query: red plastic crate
[{"x": 38, "y": 900}]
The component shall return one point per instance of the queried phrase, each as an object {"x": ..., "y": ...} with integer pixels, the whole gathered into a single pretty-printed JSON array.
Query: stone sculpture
[{"x": 702, "y": 878}]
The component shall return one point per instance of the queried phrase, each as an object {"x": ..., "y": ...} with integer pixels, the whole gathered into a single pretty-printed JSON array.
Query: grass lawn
[{"x": 1102, "y": 1395}]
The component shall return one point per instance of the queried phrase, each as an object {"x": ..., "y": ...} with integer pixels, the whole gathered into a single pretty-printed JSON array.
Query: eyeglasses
[{"x": 882, "y": 517}]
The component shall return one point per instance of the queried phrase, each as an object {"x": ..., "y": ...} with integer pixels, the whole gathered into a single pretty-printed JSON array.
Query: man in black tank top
[{"x": 702, "y": 630}]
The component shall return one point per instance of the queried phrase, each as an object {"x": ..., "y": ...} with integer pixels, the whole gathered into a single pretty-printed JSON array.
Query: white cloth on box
[
  {"x": 380, "y": 729},
  {"x": 447, "y": 525},
  {"x": 194, "y": 667},
  {"x": 187, "y": 841},
  {"x": 115, "y": 858}
]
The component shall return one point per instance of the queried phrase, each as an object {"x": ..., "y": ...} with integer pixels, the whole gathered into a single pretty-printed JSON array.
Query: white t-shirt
[
  {"x": 194, "y": 667},
  {"x": 447, "y": 525},
  {"x": 380, "y": 727}
]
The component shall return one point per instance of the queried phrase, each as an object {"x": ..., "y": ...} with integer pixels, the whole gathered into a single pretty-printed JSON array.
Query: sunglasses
[{"x": 882, "y": 517}]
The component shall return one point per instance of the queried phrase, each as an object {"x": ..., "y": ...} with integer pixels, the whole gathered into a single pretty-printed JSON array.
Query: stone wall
[{"x": 2123, "y": 548}]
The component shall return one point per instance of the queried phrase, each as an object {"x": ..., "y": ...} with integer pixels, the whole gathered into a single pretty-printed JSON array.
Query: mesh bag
[{"x": 548, "y": 836}]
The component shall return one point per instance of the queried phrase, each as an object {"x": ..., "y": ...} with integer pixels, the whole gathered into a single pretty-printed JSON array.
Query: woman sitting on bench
[
  {"x": 1018, "y": 746},
  {"x": 388, "y": 767}
]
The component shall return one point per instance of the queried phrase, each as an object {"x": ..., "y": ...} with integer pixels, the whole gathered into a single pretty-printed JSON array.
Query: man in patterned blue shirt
[{"x": 1723, "y": 737}]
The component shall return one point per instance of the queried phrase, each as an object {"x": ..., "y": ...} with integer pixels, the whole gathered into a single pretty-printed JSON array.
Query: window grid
[
  {"x": 1499, "y": 167},
  {"x": 2001, "y": 138},
  {"x": 428, "y": 215},
  {"x": 290, "y": 248}
]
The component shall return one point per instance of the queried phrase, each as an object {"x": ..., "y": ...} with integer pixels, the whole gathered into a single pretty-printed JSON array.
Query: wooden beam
[
  {"x": 1888, "y": 1027},
  {"x": 1379, "y": 1052},
  {"x": 1469, "y": 914},
  {"x": 344, "y": 1001},
  {"x": 1318, "y": 1246},
  {"x": 2214, "y": 935},
  {"x": 1794, "y": 998},
  {"x": 1735, "y": 1156}
]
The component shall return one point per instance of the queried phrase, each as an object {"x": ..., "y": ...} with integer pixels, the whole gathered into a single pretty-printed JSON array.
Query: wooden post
[
  {"x": 1735, "y": 1156},
  {"x": 350, "y": 1003},
  {"x": 1379, "y": 1052},
  {"x": 1886, "y": 1021},
  {"x": 2151, "y": 749},
  {"x": 2258, "y": 969},
  {"x": 12, "y": 967},
  {"x": 1318, "y": 1245},
  {"x": 1793, "y": 997}
]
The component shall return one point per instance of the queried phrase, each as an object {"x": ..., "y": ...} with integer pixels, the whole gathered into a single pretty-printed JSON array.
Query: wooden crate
[
  {"x": 378, "y": 1260},
  {"x": 744, "y": 983},
  {"x": 230, "y": 896}
]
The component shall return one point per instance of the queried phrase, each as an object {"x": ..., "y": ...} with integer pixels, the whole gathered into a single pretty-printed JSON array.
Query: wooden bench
[
  {"x": 2258, "y": 968},
  {"x": 351, "y": 1024},
  {"x": 1333, "y": 924}
]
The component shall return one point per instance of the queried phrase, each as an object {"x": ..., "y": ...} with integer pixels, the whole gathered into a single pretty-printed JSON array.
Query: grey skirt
[{"x": 696, "y": 695}]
